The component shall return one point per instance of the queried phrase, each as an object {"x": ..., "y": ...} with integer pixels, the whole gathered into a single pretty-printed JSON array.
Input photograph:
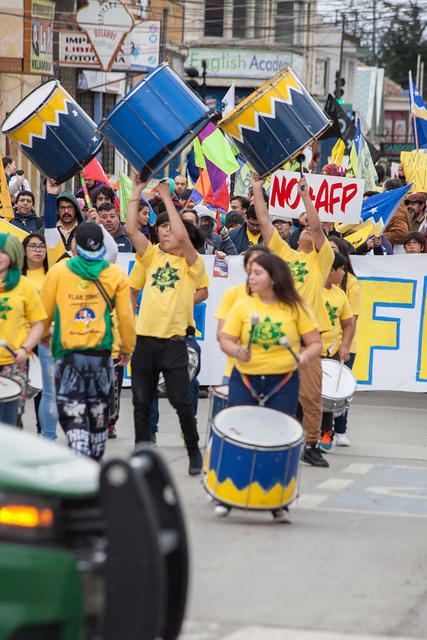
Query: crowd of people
[{"x": 63, "y": 297}]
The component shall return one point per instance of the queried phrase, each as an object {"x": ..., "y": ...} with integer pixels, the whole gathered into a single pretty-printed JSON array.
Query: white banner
[
  {"x": 392, "y": 329},
  {"x": 337, "y": 199}
]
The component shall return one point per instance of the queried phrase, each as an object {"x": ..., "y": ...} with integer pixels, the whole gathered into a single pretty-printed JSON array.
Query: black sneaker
[
  {"x": 196, "y": 462},
  {"x": 311, "y": 455}
]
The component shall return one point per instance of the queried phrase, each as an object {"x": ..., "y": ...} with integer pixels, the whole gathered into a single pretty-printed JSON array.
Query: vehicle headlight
[{"x": 26, "y": 518}]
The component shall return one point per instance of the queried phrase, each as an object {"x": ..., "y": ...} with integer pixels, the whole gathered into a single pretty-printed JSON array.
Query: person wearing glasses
[
  {"x": 35, "y": 268},
  {"x": 69, "y": 217},
  {"x": 284, "y": 227}
]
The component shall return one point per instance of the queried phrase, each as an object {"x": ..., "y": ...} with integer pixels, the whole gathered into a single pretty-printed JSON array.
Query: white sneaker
[
  {"x": 221, "y": 511},
  {"x": 341, "y": 440},
  {"x": 282, "y": 515}
]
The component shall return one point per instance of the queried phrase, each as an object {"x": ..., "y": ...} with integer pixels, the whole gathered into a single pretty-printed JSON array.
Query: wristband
[
  {"x": 26, "y": 349},
  {"x": 134, "y": 200}
]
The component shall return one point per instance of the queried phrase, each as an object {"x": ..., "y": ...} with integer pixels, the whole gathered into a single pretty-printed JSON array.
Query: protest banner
[
  {"x": 337, "y": 199},
  {"x": 415, "y": 169},
  {"x": 392, "y": 328}
]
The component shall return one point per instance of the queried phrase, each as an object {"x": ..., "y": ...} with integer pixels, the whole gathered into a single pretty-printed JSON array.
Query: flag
[
  {"x": 380, "y": 208},
  {"x": 342, "y": 126},
  {"x": 213, "y": 153},
  {"x": 360, "y": 236},
  {"x": 94, "y": 171},
  {"x": 228, "y": 101},
  {"x": 220, "y": 201},
  {"x": 418, "y": 115},
  {"x": 337, "y": 152},
  {"x": 6, "y": 210},
  {"x": 242, "y": 181},
  {"x": 6, "y": 227},
  {"x": 361, "y": 164},
  {"x": 125, "y": 193}
]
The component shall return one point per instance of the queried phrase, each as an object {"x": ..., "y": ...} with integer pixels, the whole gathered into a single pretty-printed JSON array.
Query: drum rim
[
  {"x": 55, "y": 83},
  {"x": 247, "y": 445},
  {"x": 350, "y": 371},
  {"x": 16, "y": 396}
]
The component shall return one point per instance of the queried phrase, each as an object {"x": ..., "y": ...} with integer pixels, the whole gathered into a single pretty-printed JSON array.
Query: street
[{"x": 353, "y": 563}]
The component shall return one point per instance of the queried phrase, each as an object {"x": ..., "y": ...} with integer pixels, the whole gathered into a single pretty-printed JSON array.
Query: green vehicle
[{"x": 88, "y": 551}]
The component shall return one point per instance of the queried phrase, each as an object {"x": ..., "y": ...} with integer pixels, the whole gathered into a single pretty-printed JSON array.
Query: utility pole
[
  {"x": 374, "y": 29},
  {"x": 342, "y": 43}
]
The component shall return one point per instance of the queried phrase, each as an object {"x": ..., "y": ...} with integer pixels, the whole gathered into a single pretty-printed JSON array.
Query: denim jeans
[
  {"x": 47, "y": 411},
  {"x": 83, "y": 386},
  {"x": 285, "y": 400}
]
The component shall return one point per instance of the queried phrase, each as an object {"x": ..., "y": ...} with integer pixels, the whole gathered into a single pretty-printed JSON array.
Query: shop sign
[{"x": 243, "y": 63}]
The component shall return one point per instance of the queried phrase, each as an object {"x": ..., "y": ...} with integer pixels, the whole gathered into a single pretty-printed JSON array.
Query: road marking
[
  {"x": 335, "y": 483},
  {"x": 269, "y": 633},
  {"x": 358, "y": 467},
  {"x": 309, "y": 501},
  {"x": 400, "y": 492}
]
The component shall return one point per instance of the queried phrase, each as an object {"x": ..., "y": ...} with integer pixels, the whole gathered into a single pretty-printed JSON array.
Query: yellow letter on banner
[
  {"x": 376, "y": 329},
  {"x": 415, "y": 169}
]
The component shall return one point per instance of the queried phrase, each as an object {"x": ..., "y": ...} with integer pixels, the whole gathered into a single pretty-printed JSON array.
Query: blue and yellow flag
[
  {"x": 361, "y": 164},
  {"x": 418, "y": 111}
]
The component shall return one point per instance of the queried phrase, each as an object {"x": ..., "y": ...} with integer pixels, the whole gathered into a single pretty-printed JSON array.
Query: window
[
  {"x": 259, "y": 19},
  {"x": 214, "y": 17},
  {"x": 240, "y": 10},
  {"x": 285, "y": 22}
]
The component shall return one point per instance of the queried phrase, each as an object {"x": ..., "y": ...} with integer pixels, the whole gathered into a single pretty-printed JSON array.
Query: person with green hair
[{"x": 22, "y": 318}]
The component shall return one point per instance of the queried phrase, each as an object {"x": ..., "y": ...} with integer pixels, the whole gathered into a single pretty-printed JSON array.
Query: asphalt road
[{"x": 353, "y": 563}]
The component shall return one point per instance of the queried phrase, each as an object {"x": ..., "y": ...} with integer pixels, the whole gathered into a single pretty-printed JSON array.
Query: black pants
[{"x": 169, "y": 355}]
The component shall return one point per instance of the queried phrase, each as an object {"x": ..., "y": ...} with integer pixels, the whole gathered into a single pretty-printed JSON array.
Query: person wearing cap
[
  {"x": 416, "y": 205},
  {"x": 174, "y": 270},
  {"x": 21, "y": 320},
  {"x": 215, "y": 242},
  {"x": 80, "y": 295},
  {"x": 284, "y": 226}
]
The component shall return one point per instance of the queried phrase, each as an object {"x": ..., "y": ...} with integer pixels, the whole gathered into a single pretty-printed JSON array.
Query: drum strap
[{"x": 260, "y": 397}]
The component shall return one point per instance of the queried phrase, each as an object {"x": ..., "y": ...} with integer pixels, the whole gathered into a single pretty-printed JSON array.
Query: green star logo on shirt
[
  {"x": 4, "y": 308},
  {"x": 332, "y": 311},
  {"x": 298, "y": 270},
  {"x": 267, "y": 333},
  {"x": 165, "y": 277}
]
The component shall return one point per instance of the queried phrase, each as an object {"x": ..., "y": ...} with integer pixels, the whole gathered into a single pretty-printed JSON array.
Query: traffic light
[
  {"x": 339, "y": 84},
  {"x": 190, "y": 80}
]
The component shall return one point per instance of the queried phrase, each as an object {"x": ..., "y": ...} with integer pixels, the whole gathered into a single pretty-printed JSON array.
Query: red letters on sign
[{"x": 284, "y": 193}]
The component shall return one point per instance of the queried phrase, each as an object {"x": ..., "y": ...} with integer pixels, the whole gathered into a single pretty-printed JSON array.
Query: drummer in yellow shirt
[
  {"x": 265, "y": 372},
  {"x": 310, "y": 267},
  {"x": 174, "y": 268},
  {"x": 336, "y": 341}
]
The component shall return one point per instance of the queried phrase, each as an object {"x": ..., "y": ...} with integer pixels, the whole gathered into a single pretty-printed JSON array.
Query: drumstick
[
  {"x": 339, "y": 375},
  {"x": 287, "y": 345},
  {"x": 254, "y": 322},
  {"x": 300, "y": 159},
  {"x": 3, "y": 343},
  {"x": 85, "y": 191}
]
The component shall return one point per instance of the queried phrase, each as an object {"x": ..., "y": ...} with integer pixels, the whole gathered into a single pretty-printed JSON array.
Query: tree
[{"x": 402, "y": 40}]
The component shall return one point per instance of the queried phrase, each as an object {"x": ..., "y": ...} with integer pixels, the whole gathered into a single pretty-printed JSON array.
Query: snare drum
[
  {"x": 53, "y": 131},
  {"x": 10, "y": 396},
  {"x": 219, "y": 399},
  {"x": 155, "y": 121},
  {"x": 34, "y": 382},
  {"x": 337, "y": 389},
  {"x": 275, "y": 122},
  {"x": 253, "y": 457}
]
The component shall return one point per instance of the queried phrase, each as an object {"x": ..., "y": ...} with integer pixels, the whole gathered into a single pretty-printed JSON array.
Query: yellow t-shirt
[
  {"x": 167, "y": 297},
  {"x": 276, "y": 321},
  {"x": 231, "y": 295},
  {"x": 354, "y": 294},
  {"x": 309, "y": 271},
  {"x": 252, "y": 237},
  {"x": 37, "y": 277},
  {"x": 18, "y": 307},
  {"x": 138, "y": 276},
  {"x": 338, "y": 308}
]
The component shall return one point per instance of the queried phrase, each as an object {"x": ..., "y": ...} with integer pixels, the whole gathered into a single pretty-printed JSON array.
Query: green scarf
[
  {"x": 14, "y": 249},
  {"x": 87, "y": 269}
]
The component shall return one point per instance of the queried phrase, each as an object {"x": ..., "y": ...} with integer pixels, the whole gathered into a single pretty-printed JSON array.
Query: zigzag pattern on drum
[
  {"x": 264, "y": 106},
  {"x": 47, "y": 115}
]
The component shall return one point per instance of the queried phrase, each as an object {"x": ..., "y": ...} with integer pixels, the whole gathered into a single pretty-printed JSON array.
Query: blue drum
[
  {"x": 252, "y": 458},
  {"x": 53, "y": 131},
  {"x": 155, "y": 120},
  {"x": 275, "y": 122},
  {"x": 10, "y": 396}
]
